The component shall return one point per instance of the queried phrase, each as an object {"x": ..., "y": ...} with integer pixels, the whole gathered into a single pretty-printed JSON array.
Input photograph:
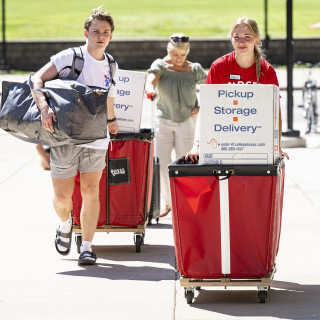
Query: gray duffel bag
[{"x": 81, "y": 112}]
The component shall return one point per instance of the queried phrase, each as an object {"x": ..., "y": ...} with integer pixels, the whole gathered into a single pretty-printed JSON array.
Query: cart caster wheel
[
  {"x": 138, "y": 241},
  {"x": 78, "y": 239},
  {"x": 189, "y": 294},
  {"x": 262, "y": 295},
  {"x": 157, "y": 220},
  {"x": 198, "y": 288}
]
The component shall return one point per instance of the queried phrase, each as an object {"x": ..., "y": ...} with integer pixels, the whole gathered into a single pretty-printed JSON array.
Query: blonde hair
[
  {"x": 180, "y": 46},
  {"x": 253, "y": 26},
  {"x": 99, "y": 14}
]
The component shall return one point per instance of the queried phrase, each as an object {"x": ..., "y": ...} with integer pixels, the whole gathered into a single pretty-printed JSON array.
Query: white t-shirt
[{"x": 94, "y": 73}]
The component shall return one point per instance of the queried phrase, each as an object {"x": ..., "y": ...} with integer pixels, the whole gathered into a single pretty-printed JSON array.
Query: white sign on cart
[
  {"x": 129, "y": 99},
  {"x": 239, "y": 124}
]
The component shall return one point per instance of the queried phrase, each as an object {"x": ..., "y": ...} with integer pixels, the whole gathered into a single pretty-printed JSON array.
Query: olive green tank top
[{"x": 177, "y": 90}]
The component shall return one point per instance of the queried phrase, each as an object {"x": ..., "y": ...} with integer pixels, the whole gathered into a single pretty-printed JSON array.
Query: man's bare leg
[
  {"x": 62, "y": 202},
  {"x": 44, "y": 157},
  {"x": 90, "y": 209}
]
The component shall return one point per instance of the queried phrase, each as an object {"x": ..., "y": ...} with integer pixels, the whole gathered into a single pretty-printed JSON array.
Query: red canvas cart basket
[
  {"x": 226, "y": 220},
  {"x": 125, "y": 187}
]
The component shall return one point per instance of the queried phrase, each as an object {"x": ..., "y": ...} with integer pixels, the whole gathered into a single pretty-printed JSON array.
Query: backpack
[{"x": 73, "y": 72}]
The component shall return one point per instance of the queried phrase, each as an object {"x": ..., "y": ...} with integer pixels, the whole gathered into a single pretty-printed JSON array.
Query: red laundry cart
[
  {"x": 226, "y": 224},
  {"x": 125, "y": 187}
]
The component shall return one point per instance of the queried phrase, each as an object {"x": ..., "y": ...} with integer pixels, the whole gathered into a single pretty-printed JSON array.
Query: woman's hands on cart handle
[{"x": 193, "y": 155}]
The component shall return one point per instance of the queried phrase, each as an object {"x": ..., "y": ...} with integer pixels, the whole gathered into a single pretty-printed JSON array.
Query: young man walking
[{"x": 89, "y": 159}]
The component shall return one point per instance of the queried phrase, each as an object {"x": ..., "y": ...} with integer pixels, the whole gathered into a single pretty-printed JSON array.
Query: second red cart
[{"x": 125, "y": 187}]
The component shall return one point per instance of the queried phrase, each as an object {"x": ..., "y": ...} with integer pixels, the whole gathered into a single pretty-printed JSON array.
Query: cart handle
[
  {"x": 217, "y": 173},
  {"x": 150, "y": 96}
]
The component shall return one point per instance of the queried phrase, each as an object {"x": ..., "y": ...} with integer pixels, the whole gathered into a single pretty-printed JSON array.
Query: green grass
[{"x": 63, "y": 19}]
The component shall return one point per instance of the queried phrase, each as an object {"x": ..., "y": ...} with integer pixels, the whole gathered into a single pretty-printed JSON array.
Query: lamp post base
[{"x": 291, "y": 133}]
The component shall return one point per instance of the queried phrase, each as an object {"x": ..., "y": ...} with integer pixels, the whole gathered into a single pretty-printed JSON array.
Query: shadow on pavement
[
  {"x": 286, "y": 300},
  {"x": 129, "y": 270},
  {"x": 122, "y": 272},
  {"x": 160, "y": 226},
  {"x": 149, "y": 253}
]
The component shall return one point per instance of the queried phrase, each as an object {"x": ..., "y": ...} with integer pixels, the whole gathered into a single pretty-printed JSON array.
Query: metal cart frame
[
  {"x": 263, "y": 285},
  {"x": 139, "y": 233}
]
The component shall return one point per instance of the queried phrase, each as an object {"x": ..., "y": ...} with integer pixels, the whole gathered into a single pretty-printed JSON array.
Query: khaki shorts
[{"x": 65, "y": 161}]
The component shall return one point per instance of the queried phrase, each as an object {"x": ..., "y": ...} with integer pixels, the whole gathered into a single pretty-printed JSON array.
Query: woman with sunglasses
[
  {"x": 172, "y": 81},
  {"x": 244, "y": 65}
]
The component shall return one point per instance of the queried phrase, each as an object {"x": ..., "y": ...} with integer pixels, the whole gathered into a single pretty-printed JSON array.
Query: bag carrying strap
[
  {"x": 227, "y": 174},
  {"x": 73, "y": 72},
  {"x": 112, "y": 65},
  {"x": 77, "y": 66},
  {"x": 77, "y": 63}
]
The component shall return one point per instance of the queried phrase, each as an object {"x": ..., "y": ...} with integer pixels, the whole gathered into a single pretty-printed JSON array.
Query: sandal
[
  {"x": 165, "y": 212},
  {"x": 58, "y": 241},
  {"x": 86, "y": 258}
]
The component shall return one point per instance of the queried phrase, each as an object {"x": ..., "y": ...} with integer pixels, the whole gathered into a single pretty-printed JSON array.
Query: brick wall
[{"x": 139, "y": 54}]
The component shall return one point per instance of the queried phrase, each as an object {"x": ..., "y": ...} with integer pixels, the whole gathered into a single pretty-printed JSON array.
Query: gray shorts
[{"x": 65, "y": 161}]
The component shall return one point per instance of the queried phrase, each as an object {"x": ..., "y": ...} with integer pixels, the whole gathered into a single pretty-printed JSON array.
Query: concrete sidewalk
[{"x": 37, "y": 283}]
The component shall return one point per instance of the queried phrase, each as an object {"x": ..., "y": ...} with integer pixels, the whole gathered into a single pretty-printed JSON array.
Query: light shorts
[{"x": 65, "y": 161}]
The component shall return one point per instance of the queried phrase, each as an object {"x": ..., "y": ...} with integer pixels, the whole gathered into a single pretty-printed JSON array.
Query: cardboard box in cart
[
  {"x": 239, "y": 124},
  {"x": 129, "y": 100}
]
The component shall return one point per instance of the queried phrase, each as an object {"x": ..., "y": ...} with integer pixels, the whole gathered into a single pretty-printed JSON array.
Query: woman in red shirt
[{"x": 244, "y": 65}]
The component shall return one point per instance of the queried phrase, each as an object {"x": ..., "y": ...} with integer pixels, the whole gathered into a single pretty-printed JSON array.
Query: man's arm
[
  {"x": 47, "y": 72},
  {"x": 112, "y": 126}
]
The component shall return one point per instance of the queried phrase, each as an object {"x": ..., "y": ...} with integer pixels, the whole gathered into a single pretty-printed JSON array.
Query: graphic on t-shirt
[{"x": 107, "y": 81}]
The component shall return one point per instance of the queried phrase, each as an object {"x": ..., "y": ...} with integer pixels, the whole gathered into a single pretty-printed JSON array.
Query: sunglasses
[{"x": 182, "y": 39}]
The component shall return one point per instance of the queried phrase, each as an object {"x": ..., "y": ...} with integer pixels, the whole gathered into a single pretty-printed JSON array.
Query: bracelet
[{"x": 111, "y": 120}]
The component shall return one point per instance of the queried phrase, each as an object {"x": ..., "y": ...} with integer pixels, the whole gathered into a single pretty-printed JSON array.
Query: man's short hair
[{"x": 99, "y": 14}]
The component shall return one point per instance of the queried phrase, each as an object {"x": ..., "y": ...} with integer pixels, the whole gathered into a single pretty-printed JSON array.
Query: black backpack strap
[
  {"x": 112, "y": 65},
  {"x": 77, "y": 63},
  {"x": 73, "y": 72}
]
